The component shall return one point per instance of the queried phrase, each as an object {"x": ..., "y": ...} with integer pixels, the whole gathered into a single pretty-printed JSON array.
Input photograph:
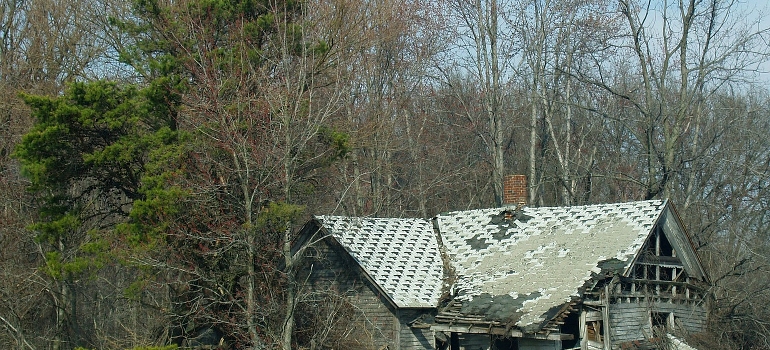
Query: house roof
[
  {"x": 518, "y": 266},
  {"x": 400, "y": 255},
  {"x": 506, "y": 267}
]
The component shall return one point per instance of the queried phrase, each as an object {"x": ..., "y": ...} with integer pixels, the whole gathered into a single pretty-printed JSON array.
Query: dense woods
[{"x": 158, "y": 157}]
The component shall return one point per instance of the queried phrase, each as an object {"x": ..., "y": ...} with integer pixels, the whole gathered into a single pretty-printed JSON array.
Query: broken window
[
  {"x": 594, "y": 331},
  {"x": 665, "y": 248},
  {"x": 658, "y": 245},
  {"x": 666, "y": 274},
  {"x": 661, "y": 323}
]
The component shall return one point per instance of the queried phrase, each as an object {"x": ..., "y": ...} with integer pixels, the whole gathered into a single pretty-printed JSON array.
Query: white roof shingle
[
  {"x": 400, "y": 255},
  {"x": 511, "y": 266},
  {"x": 538, "y": 258}
]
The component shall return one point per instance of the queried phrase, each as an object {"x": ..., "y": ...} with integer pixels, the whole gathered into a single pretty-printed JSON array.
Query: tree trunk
[
  {"x": 62, "y": 303},
  {"x": 291, "y": 290}
]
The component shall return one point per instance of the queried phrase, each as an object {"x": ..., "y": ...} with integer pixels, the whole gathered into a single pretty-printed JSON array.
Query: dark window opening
[
  {"x": 571, "y": 326},
  {"x": 454, "y": 341},
  {"x": 665, "y": 246},
  {"x": 500, "y": 343},
  {"x": 680, "y": 275},
  {"x": 600, "y": 285},
  {"x": 442, "y": 341},
  {"x": 666, "y": 273},
  {"x": 625, "y": 287},
  {"x": 660, "y": 322},
  {"x": 659, "y": 319},
  {"x": 649, "y": 247}
]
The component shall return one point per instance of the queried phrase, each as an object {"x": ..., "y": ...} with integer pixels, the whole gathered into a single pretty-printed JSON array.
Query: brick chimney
[{"x": 515, "y": 190}]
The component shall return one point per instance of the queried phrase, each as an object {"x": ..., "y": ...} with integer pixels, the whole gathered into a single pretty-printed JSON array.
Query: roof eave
[{"x": 498, "y": 330}]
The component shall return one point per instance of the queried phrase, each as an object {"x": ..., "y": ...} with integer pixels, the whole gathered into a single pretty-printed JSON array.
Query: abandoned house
[{"x": 606, "y": 276}]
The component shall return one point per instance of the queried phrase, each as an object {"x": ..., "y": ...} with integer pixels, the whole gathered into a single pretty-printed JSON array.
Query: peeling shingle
[
  {"x": 552, "y": 261},
  {"x": 540, "y": 257}
]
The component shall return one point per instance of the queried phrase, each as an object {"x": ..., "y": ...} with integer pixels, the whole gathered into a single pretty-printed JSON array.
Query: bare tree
[
  {"x": 390, "y": 60},
  {"x": 698, "y": 50},
  {"x": 487, "y": 56},
  {"x": 673, "y": 116},
  {"x": 558, "y": 37}
]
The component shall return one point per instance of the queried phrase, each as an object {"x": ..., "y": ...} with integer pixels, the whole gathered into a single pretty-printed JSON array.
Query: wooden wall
[
  {"x": 631, "y": 321},
  {"x": 328, "y": 268},
  {"x": 415, "y": 338}
]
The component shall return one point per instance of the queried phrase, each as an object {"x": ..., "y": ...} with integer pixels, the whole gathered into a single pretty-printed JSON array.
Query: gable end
[{"x": 680, "y": 241}]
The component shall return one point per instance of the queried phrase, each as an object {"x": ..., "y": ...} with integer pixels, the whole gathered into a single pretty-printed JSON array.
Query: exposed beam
[{"x": 499, "y": 331}]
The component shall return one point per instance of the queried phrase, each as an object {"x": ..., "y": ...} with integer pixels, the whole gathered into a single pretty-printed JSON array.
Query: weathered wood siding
[
  {"x": 415, "y": 338},
  {"x": 631, "y": 321},
  {"x": 327, "y": 268}
]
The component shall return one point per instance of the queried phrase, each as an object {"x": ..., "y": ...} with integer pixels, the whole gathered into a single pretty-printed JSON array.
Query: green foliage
[
  {"x": 337, "y": 141},
  {"x": 150, "y": 217},
  {"x": 86, "y": 157},
  {"x": 234, "y": 30},
  {"x": 61, "y": 221},
  {"x": 160, "y": 201},
  {"x": 90, "y": 256},
  {"x": 275, "y": 216},
  {"x": 321, "y": 48},
  {"x": 87, "y": 133},
  {"x": 135, "y": 289}
]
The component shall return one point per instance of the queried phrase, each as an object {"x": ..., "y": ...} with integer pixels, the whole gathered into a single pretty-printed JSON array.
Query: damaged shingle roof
[
  {"x": 400, "y": 255},
  {"x": 510, "y": 266},
  {"x": 539, "y": 258}
]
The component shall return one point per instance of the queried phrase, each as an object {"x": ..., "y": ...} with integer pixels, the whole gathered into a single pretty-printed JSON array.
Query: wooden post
[{"x": 606, "y": 318}]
